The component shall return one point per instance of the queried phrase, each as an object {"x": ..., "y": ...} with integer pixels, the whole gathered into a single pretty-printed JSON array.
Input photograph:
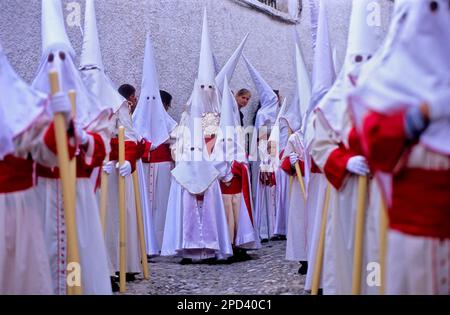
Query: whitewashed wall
[{"x": 175, "y": 26}]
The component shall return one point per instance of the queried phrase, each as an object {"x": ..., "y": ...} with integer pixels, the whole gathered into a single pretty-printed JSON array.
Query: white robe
[
  {"x": 157, "y": 178},
  {"x": 264, "y": 212},
  {"x": 24, "y": 263},
  {"x": 196, "y": 230},
  {"x": 91, "y": 243},
  {"x": 282, "y": 202},
  {"x": 133, "y": 264},
  {"x": 340, "y": 230}
]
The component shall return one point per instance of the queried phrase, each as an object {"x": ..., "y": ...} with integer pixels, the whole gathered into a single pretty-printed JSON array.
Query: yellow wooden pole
[
  {"x": 300, "y": 179},
  {"x": 122, "y": 215},
  {"x": 73, "y": 162},
  {"x": 384, "y": 222},
  {"x": 321, "y": 245},
  {"x": 140, "y": 224},
  {"x": 73, "y": 256},
  {"x": 104, "y": 197},
  {"x": 359, "y": 235}
]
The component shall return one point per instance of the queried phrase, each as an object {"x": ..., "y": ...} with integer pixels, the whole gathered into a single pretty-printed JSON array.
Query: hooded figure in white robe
[
  {"x": 401, "y": 110},
  {"x": 196, "y": 224},
  {"x": 153, "y": 122},
  {"x": 264, "y": 158},
  {"x": 92, "y": 129},
  {"x": 24, "y": 139}
]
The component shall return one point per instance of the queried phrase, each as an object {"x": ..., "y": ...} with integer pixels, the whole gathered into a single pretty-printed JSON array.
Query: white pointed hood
[
  {"x": 323, "y": 67},
  {"x": 91, "y": 67},
  {"x": 229, "y": 68},
  {"x": 415, "y": 70},
  {"x": 231, "y": 138},
  {"x": 363, "y": 40},
  {"x": 150, "y": 117},
  {"x": 91, "y": 55},
  {"x": 206, "y": 72},
  {"x": 303, "y": 89},
  {"x": 59, "y": 57},
  {"x": 275, "y": 134},
  {"x": 193, "y": 171},
  {"x": 53, "y": 29},
  {"x": 323, "y": 75},
  {"x": 19, "y": 107},
  {"x": 267, "y": 114}
]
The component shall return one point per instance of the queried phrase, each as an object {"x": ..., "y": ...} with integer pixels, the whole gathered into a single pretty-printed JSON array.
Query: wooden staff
[
  {"x": 300, "y": 179},
  {"x": 321, "y": 245},
  {"x": 383, "y": 243},
  {"x": 64, "y": 171},
  {"x": 73, "y": 162},
  {"x": 122, "y": 214},
  {"x": 359, "y": 235},
  {"x": 298, "y": 171},
  {"x": 140, "y": 224},
  {"x": 104, "y": 197}
]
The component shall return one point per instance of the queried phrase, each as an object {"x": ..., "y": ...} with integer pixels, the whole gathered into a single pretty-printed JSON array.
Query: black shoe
[
  {"x": 114, "y": 286},
  {"x": 303, "y": 268},
  {"x": 264, "y": 240},
  {"x": 186, "y": 261},
  {"x": 130, "y": 277}
]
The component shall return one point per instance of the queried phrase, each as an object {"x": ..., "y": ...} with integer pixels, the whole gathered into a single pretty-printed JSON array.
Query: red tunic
[
  {"x": 160, "y": 155},
  {"x": 133, "y": 151},
  {"x": 336, "y": 166},
  {"x": 420, "y": 197}
]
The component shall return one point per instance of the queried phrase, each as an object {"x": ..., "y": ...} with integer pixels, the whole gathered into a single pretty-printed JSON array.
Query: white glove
[
  {"x": 60, "y": 103},
  {"x": 293, "y": 158},
  {"x": 108, "y": 167},
  {"x": 439, "y": 106},
  {"x": 358, "y": 165},
  {"x": 82, "y": 136},
  {"x": 125, "y": 169}
]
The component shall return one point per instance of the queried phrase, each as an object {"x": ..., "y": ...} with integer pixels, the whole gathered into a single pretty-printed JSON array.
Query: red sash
[
  {"x": 421, "y": 203},
  {"x": 16, "y": 174}
]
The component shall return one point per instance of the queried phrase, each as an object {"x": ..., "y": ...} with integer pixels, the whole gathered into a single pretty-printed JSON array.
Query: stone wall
[{"x": 175, "y": 26}]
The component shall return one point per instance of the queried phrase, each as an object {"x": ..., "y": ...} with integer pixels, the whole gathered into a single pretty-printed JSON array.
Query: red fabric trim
[
  {"x": 336, "y": 166},
  {"x": 354, "y": 142},
  {"x": 133, "y": 151},
  {"x": 384, "y": 139},
  {"x": 240, "y": 169},
  {"x": 287, "y": 167},
  {"x": 160, "y": 155},
  {"x": 50, "y": 140},
  {"x": 47, "y": 172},
  {"x": 16, "y": 174},
  {"x": 234, "y": 188},
  {"x": 421, "y": 203},
  {"x": 314, "y": 168},
  {"x": 99, "y": 152}
]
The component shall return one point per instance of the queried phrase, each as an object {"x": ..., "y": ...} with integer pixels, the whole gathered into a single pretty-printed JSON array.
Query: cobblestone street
[{"x": 267, "y": 273}]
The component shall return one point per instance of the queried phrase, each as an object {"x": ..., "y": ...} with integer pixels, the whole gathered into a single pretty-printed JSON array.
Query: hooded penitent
[
  {"x": 91, "y": 66},
  {"x": 58, "y": 54},
  {"x": 408, "y": 75},
  {"x": 363, "y": 40},
  {"x": 19, "y": 106},
  {"x": 229, "y": 68},
  {"x": 150, "y": 118},
  {"x": 193, "y": 171},
  {"x": 323, "y": 75},
  {"x": 267, "y": 114}
]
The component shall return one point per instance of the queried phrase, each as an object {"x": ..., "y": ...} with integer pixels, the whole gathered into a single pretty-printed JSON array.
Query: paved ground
[{"x": 266, "y": 273}]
